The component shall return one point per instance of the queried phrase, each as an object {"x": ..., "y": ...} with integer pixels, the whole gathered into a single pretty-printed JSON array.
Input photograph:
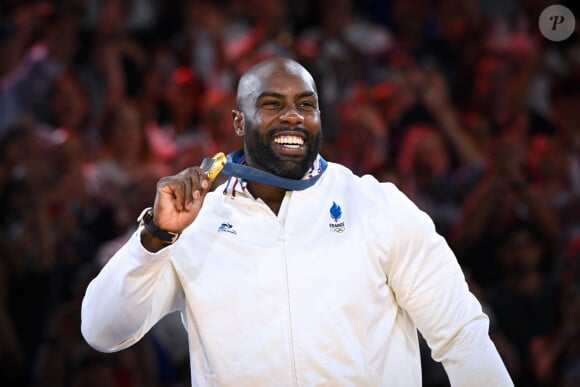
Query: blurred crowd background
[{"x": 463, "y": 104}]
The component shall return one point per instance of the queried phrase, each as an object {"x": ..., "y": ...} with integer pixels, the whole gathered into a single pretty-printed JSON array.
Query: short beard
[{"x": 263, "y": 157}]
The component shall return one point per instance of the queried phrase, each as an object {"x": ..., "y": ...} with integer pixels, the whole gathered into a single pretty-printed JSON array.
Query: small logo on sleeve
[{"x": 336, "y": 224}]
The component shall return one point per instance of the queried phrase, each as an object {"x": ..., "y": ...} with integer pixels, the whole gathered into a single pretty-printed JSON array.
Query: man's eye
[
  {"x": 308, "y": 106},
  {"x": 271, "y": 104}
]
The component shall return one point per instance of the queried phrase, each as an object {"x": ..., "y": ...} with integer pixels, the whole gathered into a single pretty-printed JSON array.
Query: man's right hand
[{"x": 177, "y": 203}]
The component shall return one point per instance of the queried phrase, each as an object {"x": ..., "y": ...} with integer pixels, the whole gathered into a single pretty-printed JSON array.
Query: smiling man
[{"x": 324, "y": 284}]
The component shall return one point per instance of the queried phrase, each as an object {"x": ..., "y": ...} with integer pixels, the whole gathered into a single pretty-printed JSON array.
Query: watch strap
[{"x": 146, "y": 219}]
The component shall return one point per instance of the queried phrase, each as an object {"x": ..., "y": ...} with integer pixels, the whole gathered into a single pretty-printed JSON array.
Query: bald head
[{"x": 252, "y": 80}]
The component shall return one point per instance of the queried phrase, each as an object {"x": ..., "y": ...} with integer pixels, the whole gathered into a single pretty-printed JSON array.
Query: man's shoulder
[
  {"x": 340, "y": 171},
  {"x": 365, "y": 185}
]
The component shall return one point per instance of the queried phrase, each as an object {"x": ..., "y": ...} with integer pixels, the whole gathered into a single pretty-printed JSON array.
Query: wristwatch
[{"x": 146, "y": 219}]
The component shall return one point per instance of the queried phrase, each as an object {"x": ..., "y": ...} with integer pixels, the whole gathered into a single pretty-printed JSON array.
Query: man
[{"x": 323, "y": 285}]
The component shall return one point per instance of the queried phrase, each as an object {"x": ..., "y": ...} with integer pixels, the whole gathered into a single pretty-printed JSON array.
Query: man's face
[{"x": 281, "y": 121}]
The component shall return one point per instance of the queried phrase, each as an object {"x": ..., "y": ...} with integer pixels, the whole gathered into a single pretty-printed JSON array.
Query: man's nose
[{"x": 291, "y": 115}]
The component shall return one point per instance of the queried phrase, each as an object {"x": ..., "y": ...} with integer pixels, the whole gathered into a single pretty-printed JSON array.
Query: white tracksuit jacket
[{"x": 329, "y": 292}]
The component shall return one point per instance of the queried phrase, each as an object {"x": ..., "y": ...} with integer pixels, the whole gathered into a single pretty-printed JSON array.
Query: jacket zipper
[{"x": 289, "y": 299}]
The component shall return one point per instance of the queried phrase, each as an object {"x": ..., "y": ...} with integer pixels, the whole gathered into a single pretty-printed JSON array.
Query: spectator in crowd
[
  {"x": 361, "y": 142},
  {"x": 124, "y": 157},
  {"x": 548, "y": 172},
  {"x": 67, "y": 117},
  {"x": 499, "y": 202},
  {"x": 524, "y": 302},
  {"x": 555, "y": 353},
  {"x": 565, "y": 97},
  {"x": 202, "y": 41},
  {"x": 27, "y": 245},
  {"x": 215, "y": 121},
  {"x": 338, "y": 51},
  {"x": 438, "y": 162},
  {"x": 269, "y": 34},
  {"x": 30, "y": 63}
]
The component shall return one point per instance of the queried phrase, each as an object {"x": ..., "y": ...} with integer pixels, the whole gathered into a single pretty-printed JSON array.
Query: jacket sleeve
[
  {"x": 430, "y": 286},
  {"x": 132, "y": 292}
]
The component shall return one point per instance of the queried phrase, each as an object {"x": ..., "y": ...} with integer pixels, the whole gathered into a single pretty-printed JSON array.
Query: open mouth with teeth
[{"x": 289, "y": 141}]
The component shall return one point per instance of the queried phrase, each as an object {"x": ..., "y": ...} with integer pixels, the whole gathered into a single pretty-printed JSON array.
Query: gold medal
[{"x": 212, "y": 166}]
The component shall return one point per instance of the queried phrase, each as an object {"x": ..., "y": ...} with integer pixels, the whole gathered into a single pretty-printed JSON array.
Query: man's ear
[{"x": 238, "y": 120}]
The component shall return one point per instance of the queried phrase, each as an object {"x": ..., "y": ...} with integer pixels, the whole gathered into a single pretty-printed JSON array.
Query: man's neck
[{"x": 270, "y": 194}]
